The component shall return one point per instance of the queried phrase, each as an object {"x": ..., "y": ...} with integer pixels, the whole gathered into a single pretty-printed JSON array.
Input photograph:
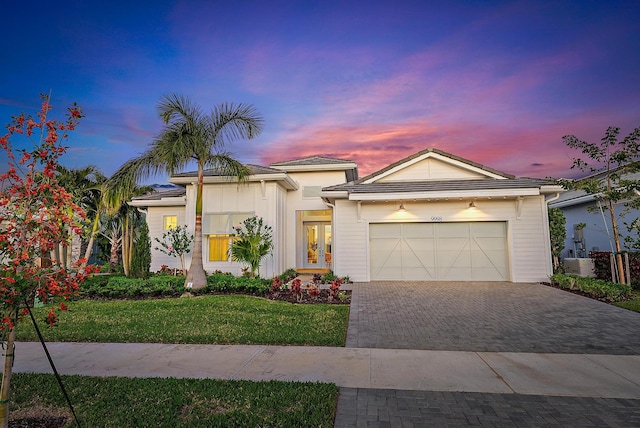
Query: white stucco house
[{"x": 430, "y": 216}]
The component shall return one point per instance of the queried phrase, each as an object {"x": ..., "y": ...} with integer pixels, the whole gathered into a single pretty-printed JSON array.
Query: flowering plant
[
  {"x": 334, "y": 288},
  {"x": 313, "y": 290},
  {"x": 176, "y": 242},
  {"x": 276, "y": 285},
  {"x": 296, "y": 288},
  {"x": 36, "y": 215}
]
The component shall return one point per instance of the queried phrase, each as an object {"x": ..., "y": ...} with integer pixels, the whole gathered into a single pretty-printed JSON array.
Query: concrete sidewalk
[{"x": 577, "y": 375}]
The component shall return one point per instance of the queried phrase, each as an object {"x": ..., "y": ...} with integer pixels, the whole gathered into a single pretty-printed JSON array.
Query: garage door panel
[
  {"x": 454, "y": 274},
  {"x": 439, "y": 251}
]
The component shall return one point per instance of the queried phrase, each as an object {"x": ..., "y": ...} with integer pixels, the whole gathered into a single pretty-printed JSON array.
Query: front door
[{"x": 317, "y": 236}]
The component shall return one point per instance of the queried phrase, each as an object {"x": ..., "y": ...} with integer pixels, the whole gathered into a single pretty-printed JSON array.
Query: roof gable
[{"x": 433, "y": 164}]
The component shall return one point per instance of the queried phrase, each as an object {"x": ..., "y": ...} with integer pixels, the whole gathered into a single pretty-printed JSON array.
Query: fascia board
[
  {"x": 167, "y": 202},
  {"x": 335, "y": 194},
  {"x": 573, "y": 201},
  {"x": 511, "y": 193},
  {"x": 290, "y": 183}
]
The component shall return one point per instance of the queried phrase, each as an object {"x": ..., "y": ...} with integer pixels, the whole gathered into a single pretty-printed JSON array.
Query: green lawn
[
  {"x": 217, "y": 319},
  {"x": 632, "y": 305},
  {"x": 122, "y": 402}
]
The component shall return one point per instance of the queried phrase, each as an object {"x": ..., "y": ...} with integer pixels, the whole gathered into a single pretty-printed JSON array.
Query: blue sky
[{"x": 497, "y": 82}]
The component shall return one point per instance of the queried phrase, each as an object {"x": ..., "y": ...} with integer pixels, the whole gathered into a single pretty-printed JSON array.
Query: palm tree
[
  {"x": 84, "y": 185},
  {"x": 189, "y": 135}
]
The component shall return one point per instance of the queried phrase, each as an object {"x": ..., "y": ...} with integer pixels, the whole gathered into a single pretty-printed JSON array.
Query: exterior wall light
[
  {"x": 472, "y": 205},
  {"x": 401, "y": 208}
]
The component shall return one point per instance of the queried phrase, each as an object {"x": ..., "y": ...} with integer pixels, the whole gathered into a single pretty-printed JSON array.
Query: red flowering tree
[{"x": 36, "y": 215}]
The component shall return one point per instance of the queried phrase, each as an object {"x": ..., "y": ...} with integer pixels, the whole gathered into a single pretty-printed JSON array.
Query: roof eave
[
  {"x": 288, "y": 182},
  {"x": 451, "y": 194},
  {"x": 164, "y": 202}
]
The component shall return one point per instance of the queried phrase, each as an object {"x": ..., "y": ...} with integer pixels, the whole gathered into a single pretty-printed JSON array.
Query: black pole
[{"x": 55, "y": 372}]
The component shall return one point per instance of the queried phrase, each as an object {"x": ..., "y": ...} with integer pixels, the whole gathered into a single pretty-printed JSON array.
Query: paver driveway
[
  {"x": 488, "y": 316},
  {"x": 491, "y": 317}
]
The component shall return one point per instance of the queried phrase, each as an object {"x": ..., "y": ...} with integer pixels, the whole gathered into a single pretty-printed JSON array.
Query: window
[
  {"x": 170, "y": 222},
  {"x": 219, "y": 228},
  {"x": 219, "y": 247}
]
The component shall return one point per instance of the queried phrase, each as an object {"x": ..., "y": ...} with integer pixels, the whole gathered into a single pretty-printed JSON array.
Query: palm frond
[
  {"x": 227, "y": 166},
  {"x": 230, "y": 122}
]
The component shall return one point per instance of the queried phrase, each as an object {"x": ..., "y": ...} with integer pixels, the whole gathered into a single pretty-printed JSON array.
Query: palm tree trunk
[
  {"x": 125, "y": 245},
  {"x": 6, "y": 377},
  {"x": 115, "y": 242},
  {"x": 196, "y": 276},
  {"x": 94, "y": 231}
]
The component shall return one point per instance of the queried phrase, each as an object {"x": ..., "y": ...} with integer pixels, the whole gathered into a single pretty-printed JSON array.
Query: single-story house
[
  {"x": 582, "y": 209},
  {"x": 430, "y": 216}
]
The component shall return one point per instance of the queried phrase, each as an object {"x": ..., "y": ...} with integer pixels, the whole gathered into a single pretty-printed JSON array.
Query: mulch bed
[{"x": 288, "y": 296}]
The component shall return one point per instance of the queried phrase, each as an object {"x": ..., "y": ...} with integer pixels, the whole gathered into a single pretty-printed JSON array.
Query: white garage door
[{"x": 439, "y": 251}]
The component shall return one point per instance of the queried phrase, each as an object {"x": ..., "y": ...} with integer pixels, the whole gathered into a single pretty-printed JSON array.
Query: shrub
[
  {"x": 141, "y": 259},
  {"x": 296, "y": 288},
  {"x": 602, "y": 265},
  {"x": 593, "y": 287},
  {"x": 334, "y": 289},
  {"x": 120, "y": 287},
  {"x": 288, "y": 275},
  {"x": 328, "y": 277},
  {"x": 313, "y": 290},
  {"x": 224, "y": 282}
]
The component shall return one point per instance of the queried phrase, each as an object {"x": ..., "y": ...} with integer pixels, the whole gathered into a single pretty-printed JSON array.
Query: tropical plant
[
  {"x": 141, "y": 257},
  {"x": 83, "y": 184},
  {"x": 176, "y": 242},
  {"x": 558, "y": 235},
  {"x": 36, "y": 214},
  {"x": 616, "y": 161},
  {"x": 252, "y": 243},
  {"x": 188, "y": 136}
]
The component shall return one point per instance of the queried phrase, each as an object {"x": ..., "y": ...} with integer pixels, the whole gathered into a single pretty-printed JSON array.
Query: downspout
[
  {"x": 333, "y": 229},
  {"x": 553, "y": 198}
]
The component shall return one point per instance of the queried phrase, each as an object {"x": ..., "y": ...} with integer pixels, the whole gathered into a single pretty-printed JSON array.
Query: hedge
[{"x": 596, "y": 288}]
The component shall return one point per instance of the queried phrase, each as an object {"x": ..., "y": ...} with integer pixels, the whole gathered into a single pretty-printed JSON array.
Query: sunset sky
[{"x": 497, "y": 82}]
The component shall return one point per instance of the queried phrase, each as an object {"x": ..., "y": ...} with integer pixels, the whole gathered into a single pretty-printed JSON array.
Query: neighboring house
[
  {"x": 579, "y": 208},
  {"x": 431, "y": 216}
]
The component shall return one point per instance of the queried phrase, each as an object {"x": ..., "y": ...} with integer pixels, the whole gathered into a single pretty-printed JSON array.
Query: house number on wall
[{"x": 436, "y": 218}]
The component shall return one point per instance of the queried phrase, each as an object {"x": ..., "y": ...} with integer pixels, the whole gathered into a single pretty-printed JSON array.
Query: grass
[
  {"x": 632, "y": 305},
  {"x": 218, "y": 319},
  {"x": 169, "y": 402}
]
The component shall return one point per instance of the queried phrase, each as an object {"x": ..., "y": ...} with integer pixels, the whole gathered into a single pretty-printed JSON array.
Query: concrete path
[{"x": 608, "y": 376}]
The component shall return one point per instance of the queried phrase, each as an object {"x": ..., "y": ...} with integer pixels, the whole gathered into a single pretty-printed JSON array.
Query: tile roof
[
  {"x": 438, "y": 185},
  {"x": 156, "y": 196},
  {"x": 255, "y": 170}
]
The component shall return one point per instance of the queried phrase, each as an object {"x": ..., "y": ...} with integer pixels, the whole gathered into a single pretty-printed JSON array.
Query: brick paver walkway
[{"x": 393, "y": 408}]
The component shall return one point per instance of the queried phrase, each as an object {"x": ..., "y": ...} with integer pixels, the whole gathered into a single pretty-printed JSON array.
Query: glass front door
[{"x": 317, "y": 244}]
